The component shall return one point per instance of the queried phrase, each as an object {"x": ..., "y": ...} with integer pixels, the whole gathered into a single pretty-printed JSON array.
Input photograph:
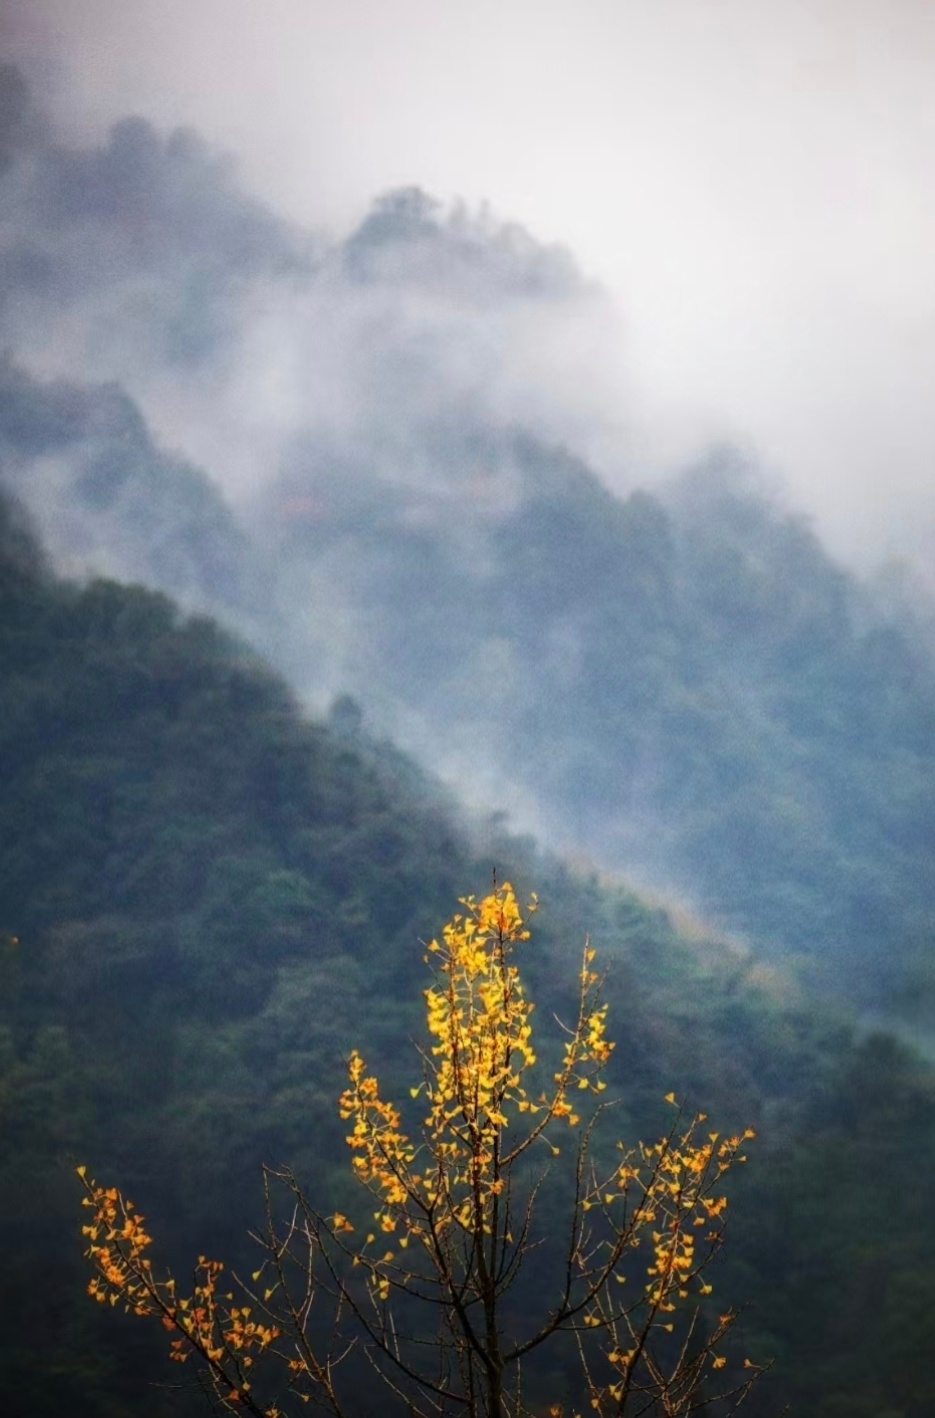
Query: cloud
[{"x": 750, "y": 181}]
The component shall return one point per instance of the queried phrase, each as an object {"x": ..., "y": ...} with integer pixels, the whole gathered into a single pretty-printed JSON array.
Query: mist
[
  {"x": 417, "y": 452},
  {"x": 749, "y": 184}
]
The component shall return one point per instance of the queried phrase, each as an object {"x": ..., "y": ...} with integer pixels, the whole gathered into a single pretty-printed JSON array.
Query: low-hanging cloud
[
  {"x": 752, "y": 182},
  {"x": 403, "y": 461}
]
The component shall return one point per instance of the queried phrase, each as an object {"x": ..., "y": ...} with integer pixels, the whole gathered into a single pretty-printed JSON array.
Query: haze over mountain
[
  {"x": 361, "y": 453},
  {"x": 753, "y": 183}
]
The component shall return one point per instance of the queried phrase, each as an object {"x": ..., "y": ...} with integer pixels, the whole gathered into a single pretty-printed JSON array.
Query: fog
[
  {"x": 751, "y": 183},
  {"x": 403, "y": 438}
]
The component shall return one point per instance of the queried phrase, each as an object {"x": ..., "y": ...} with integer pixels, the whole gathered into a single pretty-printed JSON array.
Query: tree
[{"x": 427, "y": 1292}]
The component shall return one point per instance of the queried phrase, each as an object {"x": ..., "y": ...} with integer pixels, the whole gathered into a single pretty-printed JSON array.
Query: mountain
[
  {"x": 208, "y": 898},
  {"x": 381, "y": 459}
]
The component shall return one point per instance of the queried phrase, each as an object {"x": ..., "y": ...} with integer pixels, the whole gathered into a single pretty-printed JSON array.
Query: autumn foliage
[{"x": 421, "y": 1283}]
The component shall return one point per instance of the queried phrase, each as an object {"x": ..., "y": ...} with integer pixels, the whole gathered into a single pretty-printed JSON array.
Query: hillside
[
  {"x": 207, "y": 899},
  {"x": 385, "y": 460}
]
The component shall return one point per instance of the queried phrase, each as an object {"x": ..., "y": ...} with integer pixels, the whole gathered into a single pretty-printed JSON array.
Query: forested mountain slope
[
  {"x": 688, "y": 686},
  {"x": 386, "y": 461},
  {"x": 206, "y": 900}
]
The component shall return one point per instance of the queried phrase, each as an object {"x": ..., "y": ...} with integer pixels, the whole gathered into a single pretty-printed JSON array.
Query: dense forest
[
  {"x": 371, "y": 540},
  {"x": 206, "y": 896}
]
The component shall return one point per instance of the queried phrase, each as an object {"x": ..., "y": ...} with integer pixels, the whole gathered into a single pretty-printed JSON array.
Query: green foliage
[
  {"x": 202, "y": 893},
  {"x": 685, "y": 685}
]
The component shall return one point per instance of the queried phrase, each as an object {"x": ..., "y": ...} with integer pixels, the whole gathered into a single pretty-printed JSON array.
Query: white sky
[{"x": 753, "y": 179}]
